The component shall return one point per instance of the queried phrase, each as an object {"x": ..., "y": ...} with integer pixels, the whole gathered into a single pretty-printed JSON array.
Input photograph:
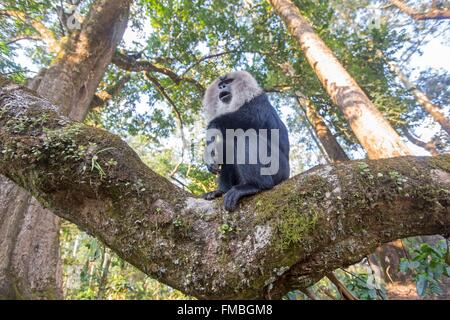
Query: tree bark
[
  {"x": 334, "y": 153},
  {"x": 29, "y": 247},
  {"x": 285, "y": 238},
  {"x": 304, "y": 119},
  {"x": 29, "y": 234},
  {"x": 374, "y": 133}
]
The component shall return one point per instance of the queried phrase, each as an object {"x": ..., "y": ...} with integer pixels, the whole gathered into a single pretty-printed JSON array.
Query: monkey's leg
[
  {"x": 226, "y": 180},
  {"x": 233, "y": 196}
]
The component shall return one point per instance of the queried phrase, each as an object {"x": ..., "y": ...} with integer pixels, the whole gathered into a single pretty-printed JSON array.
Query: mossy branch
[{"x": 289, "y": 237}]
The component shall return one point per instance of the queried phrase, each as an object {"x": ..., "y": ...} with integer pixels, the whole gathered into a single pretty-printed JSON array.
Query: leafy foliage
[{"x": 429, "y": 266}]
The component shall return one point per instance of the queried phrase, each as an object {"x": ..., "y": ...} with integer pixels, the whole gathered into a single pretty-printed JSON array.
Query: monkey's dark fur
[{"x": 254, "y": 111}]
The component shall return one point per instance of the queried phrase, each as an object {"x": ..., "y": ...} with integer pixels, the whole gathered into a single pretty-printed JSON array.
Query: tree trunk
[
  {"x": 29, "y": 235},
  {"x": 329, "y": 142},
  {"x": 278, "y": 240},
  {"x": 374, "y": 133},
  {"x": 304, "y": 119},
  {"x": 29, "y": 248}
]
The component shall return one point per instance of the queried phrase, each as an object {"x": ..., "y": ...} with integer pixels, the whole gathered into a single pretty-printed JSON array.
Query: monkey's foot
[
  {"x": 233, "y": 195},
  {"x": 212, "y": 195},
  {"x": 231, "y": 199}
]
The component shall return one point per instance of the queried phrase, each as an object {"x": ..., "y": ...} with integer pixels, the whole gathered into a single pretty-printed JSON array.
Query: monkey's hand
[
  {"x": 213, "y": 168},
  {"x": 212, "y": 195}
]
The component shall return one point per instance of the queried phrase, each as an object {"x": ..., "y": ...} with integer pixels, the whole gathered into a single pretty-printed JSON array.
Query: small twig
[
  {"x": 181, "y": 183},
  {"x": 378, "y": 291},
  {"x": 178, "y": 116},
  {"x": 204, "y": 58},
  {"x": 309, "y": 294},
  {"x": 328, "y": 293},
  {"x": 17, "y": 39},
  {"x": 345, "y": 293}
]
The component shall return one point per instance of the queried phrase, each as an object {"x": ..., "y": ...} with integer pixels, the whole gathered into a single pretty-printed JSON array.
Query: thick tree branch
[
  {"x": 289, "y": 237},
  {"x": 103, "y": 97},
  {"x": 129, "y": 63},
  {"x": 47, "y": 35},
  {"x": 433, "y": 14}
]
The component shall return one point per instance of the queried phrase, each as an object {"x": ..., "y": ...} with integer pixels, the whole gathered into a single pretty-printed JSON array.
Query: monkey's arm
[{"x": 213, "y": 143}]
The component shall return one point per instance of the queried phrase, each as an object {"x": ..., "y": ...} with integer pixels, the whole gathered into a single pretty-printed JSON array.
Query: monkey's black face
[{"x": 225, "y": 94}]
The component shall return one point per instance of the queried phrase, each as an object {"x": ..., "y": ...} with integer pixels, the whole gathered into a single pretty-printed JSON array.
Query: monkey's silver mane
[{"x": 243, "y": 89}]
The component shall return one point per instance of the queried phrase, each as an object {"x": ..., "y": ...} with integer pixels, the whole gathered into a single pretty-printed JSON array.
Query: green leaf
[
  {"x": 414, "y": 265},
  {"x": 404, "y": 265},
  {"x": 421, "y": 285}
]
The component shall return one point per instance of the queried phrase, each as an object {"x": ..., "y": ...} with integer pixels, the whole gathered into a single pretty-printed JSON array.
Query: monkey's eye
[{"x": 228, "y": 81}]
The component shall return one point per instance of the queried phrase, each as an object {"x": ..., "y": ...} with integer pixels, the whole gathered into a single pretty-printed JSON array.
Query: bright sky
[{"x": 436, "y": 55}]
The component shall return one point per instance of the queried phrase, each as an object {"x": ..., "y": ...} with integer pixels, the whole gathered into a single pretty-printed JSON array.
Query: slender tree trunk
[
  {"x": 434, "y": 110},
  {"x": 29, "y": 252},
  {"x": 329, "y": 142},
  {"x": 313, "y": 135},
  {"x": 374, "y": 132},
  {"x": 104, "y": 277},
  {"x": 433, "y": 14}
]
